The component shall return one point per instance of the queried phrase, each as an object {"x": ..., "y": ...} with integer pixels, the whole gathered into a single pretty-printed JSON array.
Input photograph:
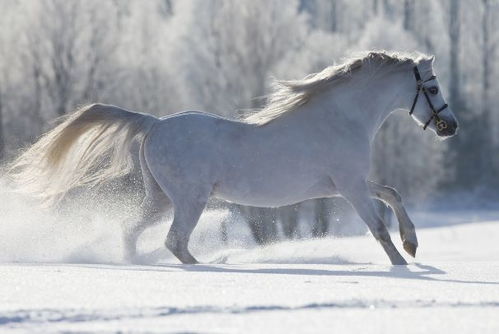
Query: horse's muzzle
[{"x": 446, "y": 128}]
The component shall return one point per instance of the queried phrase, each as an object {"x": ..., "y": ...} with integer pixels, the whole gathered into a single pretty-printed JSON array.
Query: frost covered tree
[
  {"x": 229, "y": 49},
  {"x": 14, "y": 83},
  {"x": 2, "y": 140},
  {"x": 148, "y": 72},
  {"x": 71, "y": 42}
]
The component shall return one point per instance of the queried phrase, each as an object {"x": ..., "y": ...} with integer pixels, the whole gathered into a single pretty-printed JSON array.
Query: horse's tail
[{"x": 90, "y": 146}]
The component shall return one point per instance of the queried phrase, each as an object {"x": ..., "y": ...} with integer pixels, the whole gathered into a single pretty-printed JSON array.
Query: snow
[{"x": 342, "y": 285}]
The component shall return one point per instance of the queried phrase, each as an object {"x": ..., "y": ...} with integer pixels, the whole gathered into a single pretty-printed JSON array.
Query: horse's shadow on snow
[
  {"x": 425, "y": 272},
  {"x": 415, "y": 271}
]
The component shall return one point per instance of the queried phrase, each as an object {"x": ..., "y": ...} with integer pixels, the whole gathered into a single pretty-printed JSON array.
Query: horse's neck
[
  {"x": 369, "y": 102},
  {"x": 384, "y": 95},
  {"x": 361, "y": 105}
]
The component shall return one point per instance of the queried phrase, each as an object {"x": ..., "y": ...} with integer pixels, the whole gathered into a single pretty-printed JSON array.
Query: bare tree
[
  {"x": 70, "y": 42},
  {"x": 230, "y": 49},
  {"x": 408, "y": 14},
  {"x": 454, "y": 34},
  {"x": 2, "y": 139},
  {"x": 488, "y": 54},
  {"x": 261, "y": 222}
]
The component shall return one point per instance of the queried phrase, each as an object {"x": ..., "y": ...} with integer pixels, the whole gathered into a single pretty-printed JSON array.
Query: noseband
[{"x": 439, "y": 123}]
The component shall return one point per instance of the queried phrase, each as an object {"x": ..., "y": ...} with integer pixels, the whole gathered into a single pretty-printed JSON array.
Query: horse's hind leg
[
  {"x": 152, "y": 210},
  {"x": 391, "y": 197},
  {"x": 154, "y": 206},
  {"x": 188, "y": 206},
  {"x": 359, "y": 195}
]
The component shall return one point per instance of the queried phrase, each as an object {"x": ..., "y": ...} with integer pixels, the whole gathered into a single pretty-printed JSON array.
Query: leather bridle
[{"x": 440, "y": 124}]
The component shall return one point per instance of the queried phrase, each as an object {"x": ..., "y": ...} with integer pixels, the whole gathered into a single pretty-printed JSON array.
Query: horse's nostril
[
  {"x": 449, "y": 131},
  {"x": 446, "y": 128}
]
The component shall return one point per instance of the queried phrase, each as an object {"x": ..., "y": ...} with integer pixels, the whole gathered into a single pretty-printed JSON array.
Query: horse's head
[{"x": 429, "y": 107}]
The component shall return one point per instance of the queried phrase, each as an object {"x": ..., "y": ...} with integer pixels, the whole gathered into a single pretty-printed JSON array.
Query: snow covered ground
[{"x": 342, "y": 285}]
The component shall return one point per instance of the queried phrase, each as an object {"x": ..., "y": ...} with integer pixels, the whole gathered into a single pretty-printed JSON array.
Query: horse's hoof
[
  {"x": 189, "y": 261},
  {"x": 401, "y": 263},
  {"x": 398, "y": 261},
  {"x": 131, "y": 259},
  {"x": 410, "y": 248}
]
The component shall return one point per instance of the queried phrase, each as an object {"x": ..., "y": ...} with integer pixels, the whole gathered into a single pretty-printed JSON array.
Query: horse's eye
[{"x": 433, "y": 90}]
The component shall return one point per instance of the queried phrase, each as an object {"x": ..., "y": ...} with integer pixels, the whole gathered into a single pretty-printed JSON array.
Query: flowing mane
[{"x": 291, "y": 94}]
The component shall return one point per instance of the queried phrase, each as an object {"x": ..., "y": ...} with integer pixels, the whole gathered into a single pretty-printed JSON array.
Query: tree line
[{"x": 164, "y": 56}]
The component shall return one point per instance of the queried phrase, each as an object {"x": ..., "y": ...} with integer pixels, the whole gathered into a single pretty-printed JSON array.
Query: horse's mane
[{"x": 289, "y": 95}]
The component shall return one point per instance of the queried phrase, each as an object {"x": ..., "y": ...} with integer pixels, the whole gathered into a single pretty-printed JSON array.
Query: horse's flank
[{"x": 289, "y": 95}]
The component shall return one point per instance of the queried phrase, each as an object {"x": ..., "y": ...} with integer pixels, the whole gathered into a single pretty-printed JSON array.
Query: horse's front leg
[
  {"x": 357, "y": 192},
  {"x": 392, "y": 198}
]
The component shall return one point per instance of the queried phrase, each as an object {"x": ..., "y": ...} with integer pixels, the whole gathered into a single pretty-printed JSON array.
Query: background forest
[{"x": 164, "y": 56}]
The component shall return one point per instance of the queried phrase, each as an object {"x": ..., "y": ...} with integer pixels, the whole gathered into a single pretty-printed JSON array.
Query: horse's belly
[{"x": 272, "y": 193}]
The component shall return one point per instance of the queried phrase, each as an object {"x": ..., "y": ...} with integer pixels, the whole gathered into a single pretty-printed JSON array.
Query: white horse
[{"x": 312, "y": 140}]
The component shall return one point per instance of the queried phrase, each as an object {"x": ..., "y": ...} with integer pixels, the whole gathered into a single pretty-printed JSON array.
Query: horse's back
[{"x": 198, "y": 130}]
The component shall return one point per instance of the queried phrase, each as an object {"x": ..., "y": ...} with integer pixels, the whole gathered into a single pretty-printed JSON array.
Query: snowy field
[{"x": 342, "y": 285}]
